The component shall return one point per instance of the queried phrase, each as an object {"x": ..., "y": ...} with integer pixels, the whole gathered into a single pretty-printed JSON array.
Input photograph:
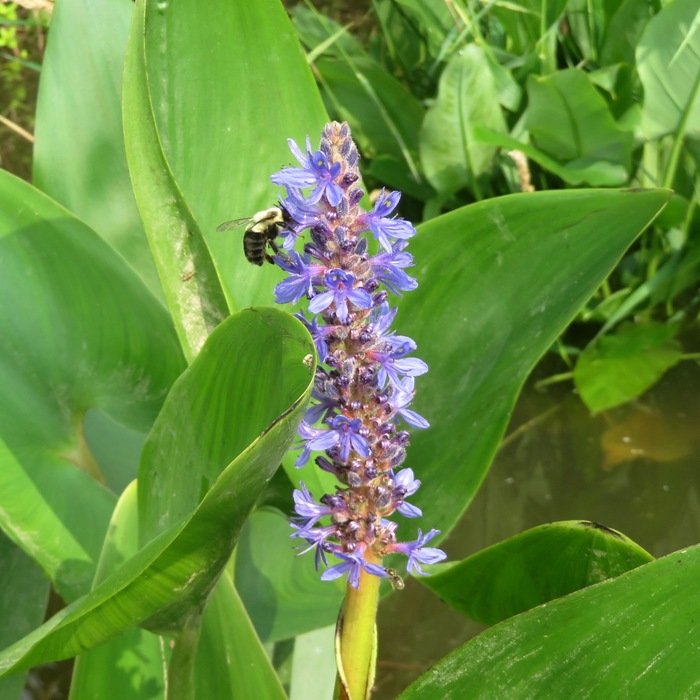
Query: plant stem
[
  {"x": 357, "y": 652},
  {"x": 180, "y": 684}
]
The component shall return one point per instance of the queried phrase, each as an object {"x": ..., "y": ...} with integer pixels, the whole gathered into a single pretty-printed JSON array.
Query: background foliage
[{"x": 130, "y": 352}]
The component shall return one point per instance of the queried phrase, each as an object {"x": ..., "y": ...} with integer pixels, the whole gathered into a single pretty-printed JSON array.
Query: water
[{"x": 634, "y": 469}]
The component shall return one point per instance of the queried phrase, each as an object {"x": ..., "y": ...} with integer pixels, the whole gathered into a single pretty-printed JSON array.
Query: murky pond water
[{"x": 635, "y": 469}]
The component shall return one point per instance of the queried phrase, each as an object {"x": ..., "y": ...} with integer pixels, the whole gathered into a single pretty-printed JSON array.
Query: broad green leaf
[
  {"x": 176, "y": 570},
  {"x": 509, "y": 92},
  {"x": 569, "y": 120},
  {"x": 282, "y": 591},
  {"x": 499, "y": 280},
  {"x": 668, "y": 61},
  {"x": 115, "y": 447},
  {"x": 623, "y": 29},
  {"x": 233, "y": 404},
  {"x": 573, "y": 173},
  {"x": 190, "y": 282},
  {"x": 80, "y": 330},
  {"x": 467, "y": 98},
  {"x": 628, "y": 637},
  {"x": 532, "y": 568},
  {"x": 623, "y": 365},
  {"x": 79, "y": 156},
  {"x": 230, "y": 661},
  {"x": 224, "y": 121},
  {"x": 24, "y": 593},
  {"x": 130, "y": 665},
  {"x": 620, "y": 83},
  {"x": 313, "y": 667}
]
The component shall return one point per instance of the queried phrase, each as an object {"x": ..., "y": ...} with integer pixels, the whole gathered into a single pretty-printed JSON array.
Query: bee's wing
[{"x": 234, "y": 224}]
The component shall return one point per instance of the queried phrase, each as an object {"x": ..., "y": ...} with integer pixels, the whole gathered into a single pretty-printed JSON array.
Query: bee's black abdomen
[{"x": 254, "y": 247}]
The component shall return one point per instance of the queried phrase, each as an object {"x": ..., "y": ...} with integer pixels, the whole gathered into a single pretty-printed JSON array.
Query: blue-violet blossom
[{"x": 361, "y": 397}]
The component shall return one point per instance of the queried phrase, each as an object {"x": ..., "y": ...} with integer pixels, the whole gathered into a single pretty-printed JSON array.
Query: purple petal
[
  {"x": 409, "y": 511},
  {"x": 411, "y": 366},
  {"x": 398, "y": 228},
  {"x": 360, "y": 445},
  {"x": 341, "y": 310},
  {"x": 321, "y": 302},
  {"x": 360, "y": 298},
  {"x": 334, "y": 194},
  {"x": 414, "y": 419}
]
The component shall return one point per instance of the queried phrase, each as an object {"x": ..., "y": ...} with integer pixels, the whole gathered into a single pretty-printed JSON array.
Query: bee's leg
[{"x": 275, "y": 249}]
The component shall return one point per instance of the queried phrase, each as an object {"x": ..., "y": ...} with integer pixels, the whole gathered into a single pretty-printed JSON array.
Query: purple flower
[
  {"x": 341, "y": 431},
  {"x": 406, "y": 485},
  {"x": 340, "y": 291},
  {"x": 301, "y": 278},
  {"x": 351, "y": 565},
  {"x": 384, "y": 228},
  {"x": 307, "y": 509},
  {"x": 394, "y": 361},
  {"x": 300, "y": 210},
  {"x": 367, "y": 383},
  {"x": 380, "y": 319},
  {"x": 316, "y": 439},
  {"x": 348, "y": 437},
  {"x": 417, "y": 553},
  {"x": 400, "y": 400},
  {"x": 317, "y": 538},
  {"x": 387, "y": 268},
  {"x": 315, "y": 170},
  {"x": 324, "y": 408},
  {"x": 318, "y": 333}
]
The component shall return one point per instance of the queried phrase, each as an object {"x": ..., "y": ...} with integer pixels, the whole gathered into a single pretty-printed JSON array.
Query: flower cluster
[{"x": 361, "y": 396}]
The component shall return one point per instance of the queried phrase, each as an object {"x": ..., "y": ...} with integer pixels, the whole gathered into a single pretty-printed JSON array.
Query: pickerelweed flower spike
[{"x": 361, "y": 396}]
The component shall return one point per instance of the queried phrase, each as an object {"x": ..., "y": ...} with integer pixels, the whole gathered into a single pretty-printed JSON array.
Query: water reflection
[{"x": 635, "y": 469}]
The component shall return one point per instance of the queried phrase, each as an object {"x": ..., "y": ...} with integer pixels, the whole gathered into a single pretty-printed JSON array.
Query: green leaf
[
  {"x": 190, "y": 281},
  {"x": 467, "y": 98},
  {"x": 668, "y": 61},
  {"x": 24, "y": 593},
  {"x": 230, "y": 661},
  {"x": 223, "y": 122},
  {"x": 233, "y": 405},
  {"x": 283, "y": 592},
  {"x": 596, "y": 173},
  {"x": 499, "y": 280},
  {"x": 629, "y": 637},
  {"x": 532, "y": 568},
  {"x": 130, "y": 665},
  {"x": 622, "y": 366},
  {"x": 622, "y": 31},
  {"x": 176, "y": 570},
  {"x": 313, "y": 666},
  {"x": 79, "y": 156},
  {"x": 569, "y": 120},
  {"x": 80, "y": 331}
]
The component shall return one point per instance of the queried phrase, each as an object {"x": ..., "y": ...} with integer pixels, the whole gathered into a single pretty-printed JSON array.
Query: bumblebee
[{"x": 261, "y": 230}]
